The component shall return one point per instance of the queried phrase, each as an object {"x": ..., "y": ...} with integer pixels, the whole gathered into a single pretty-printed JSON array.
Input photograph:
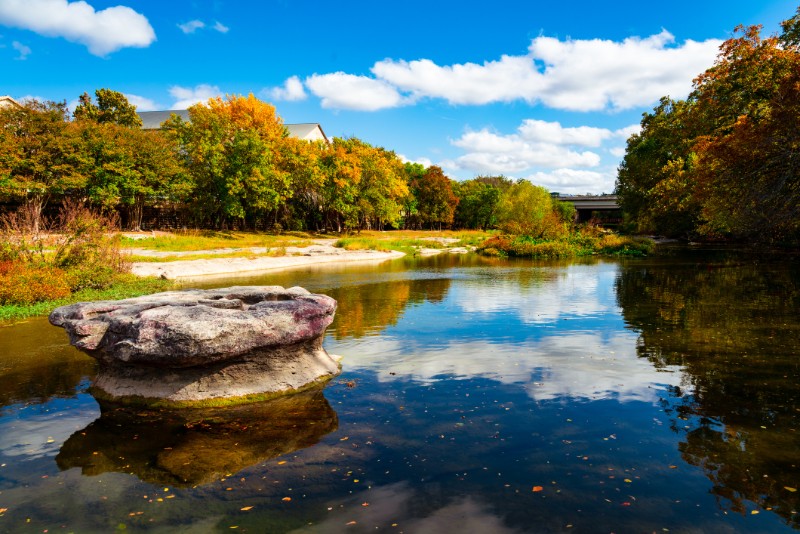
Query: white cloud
[
  {"x": 575, "y": 181},
  {"x": 553, "y": 132},
  {"x": 187, "y": 96},
  {"x": 347, "y": 91},
  {"x": 142, "y": 103},
  {"x": 577, "y": 75},
  {"x": 220, "y": 27},
  {"x": 102, "y": 32},
  {"x": 425, "y": 162},
  {"x": 24, "y": 51},
  {"x": 192, "y": 26},
  {"x": 495, "y": 153},
  {"x": 617, "y": 151},
  {"x": 291, "y": 91}
]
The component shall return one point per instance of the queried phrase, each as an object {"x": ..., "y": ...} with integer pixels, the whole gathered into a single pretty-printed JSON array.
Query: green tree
[
  {"x": 40, "y": 155},
  {"x": 477, "y": 204},
  {"x": 129, "y": 168},
  {"x": 112, "y": 107}
]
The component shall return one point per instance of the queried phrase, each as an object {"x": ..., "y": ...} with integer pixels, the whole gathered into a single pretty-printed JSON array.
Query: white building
[
  {"x": 7, "y": 102},
  {"x": 311, "y": 131}
]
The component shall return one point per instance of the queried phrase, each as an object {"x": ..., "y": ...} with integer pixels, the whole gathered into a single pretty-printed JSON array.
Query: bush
[
  {"x": 46, "y": 260},
  {"x": 26, "y": 283}
]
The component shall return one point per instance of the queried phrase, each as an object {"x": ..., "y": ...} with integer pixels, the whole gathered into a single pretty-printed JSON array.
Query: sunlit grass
[
  {"x": 210, "y": 240},
  {"x": 125, "y": 286}
]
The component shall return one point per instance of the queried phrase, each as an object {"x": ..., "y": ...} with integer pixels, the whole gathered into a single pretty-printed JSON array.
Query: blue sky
[{"x": 546, "y": 91}]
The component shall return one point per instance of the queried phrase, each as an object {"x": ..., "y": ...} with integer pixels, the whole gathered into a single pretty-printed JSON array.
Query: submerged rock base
[{"x": 212, "y": 347}]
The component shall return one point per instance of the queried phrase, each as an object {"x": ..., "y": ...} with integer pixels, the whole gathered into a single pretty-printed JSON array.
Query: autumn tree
[
  {"x": 435, "y": 198},
  {"x": 231, "y": 150},
  {"x": 721, "y": 163},
  {"x": 111, "y": 107},
  {"x": 365, "y": 186},
  {"x": 527, "y": 209}
]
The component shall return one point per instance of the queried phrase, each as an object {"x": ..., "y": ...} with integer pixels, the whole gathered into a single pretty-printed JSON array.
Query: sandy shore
[{"x": 295, "y": 257}]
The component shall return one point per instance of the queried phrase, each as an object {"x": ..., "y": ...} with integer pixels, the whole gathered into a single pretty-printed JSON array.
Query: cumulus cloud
[
  {"x": 24, "y": 51},
  {"x": 575, "y": 181},
  {"x": 576, "y": 75},
  {"x": 347, "y": 91},
  {"x": 537, "y": 145},
  {"x": 291, "y": 91},
  {"x": 489, "y": 151},
  {"x": 188, "y": 96},
  {"x": 425, "y": 162},
  {"x": 102, "y": 32},
  {"x": 192, "y": 26},
  {"x": 142, "y": 103}
]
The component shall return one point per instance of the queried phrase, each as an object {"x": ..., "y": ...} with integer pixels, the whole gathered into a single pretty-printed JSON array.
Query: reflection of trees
[
  {"x": 370, "y": 307},
  {"x": 37, "y": 363},
  {"x": 733, "y": 326},
  {"x": 189, "y": 447}
]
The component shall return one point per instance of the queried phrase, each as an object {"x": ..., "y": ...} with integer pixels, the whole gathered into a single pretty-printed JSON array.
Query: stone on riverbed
[{"x": 204, "y": 346}]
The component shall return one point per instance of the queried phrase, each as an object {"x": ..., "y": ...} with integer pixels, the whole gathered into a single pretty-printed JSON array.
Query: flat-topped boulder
[{"x": 238, "y": 343}]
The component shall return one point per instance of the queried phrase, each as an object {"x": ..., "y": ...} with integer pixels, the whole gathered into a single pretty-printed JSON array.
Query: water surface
[{"x": 476, "y": 396}]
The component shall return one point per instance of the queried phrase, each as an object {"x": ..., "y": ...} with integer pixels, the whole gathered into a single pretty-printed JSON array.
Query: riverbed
[{"x": 476, "y": 395}]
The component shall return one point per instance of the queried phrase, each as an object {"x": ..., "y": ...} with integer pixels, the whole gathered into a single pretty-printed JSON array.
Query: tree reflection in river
[{"x": 741, "y": 422}]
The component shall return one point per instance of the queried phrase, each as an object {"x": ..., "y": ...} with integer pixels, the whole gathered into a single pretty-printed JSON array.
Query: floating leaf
[
  {"x": 287, "y": 499},
  {"x": 628, "y": 480},
  {"x": 246, "y": 508},
  {"x": 537, "y": 489},
  {"x": 789, "y": 488},
  {"x": 282, "y": 462},
  {"x": 350, "y": 523}
]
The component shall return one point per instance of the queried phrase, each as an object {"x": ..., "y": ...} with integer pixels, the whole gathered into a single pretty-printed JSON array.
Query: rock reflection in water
[{"x": 190, "y": 447}]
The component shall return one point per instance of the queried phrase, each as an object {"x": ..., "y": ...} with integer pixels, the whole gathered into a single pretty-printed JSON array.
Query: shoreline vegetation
[{"x": 77, "y": 259}]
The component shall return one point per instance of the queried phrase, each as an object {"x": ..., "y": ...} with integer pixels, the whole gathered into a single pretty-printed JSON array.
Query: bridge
[{"x": 602, "y": 208}]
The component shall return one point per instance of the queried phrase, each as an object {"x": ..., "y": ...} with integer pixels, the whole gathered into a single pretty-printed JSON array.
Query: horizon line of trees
[
  {"x": 725, "y": 162},
  {"x": 233, "y": 165}
]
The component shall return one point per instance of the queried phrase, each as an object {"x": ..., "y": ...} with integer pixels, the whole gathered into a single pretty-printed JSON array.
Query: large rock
[{"x": 241, "y": 343}]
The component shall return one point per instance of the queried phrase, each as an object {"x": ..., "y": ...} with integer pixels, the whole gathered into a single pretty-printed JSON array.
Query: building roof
[
  {"x": 152, "y": 120},
  {"x": 303, "y": 130},
  {"x": 7, "y": 100}
]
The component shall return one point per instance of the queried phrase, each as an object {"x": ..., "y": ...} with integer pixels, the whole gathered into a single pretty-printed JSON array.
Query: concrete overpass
[{"x": 602, "y": 208}]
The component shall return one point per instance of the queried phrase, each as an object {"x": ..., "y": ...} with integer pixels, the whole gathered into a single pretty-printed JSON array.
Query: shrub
[{"x": 26, "y": 283}]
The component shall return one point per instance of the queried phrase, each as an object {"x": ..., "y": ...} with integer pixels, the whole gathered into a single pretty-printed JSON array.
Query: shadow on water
[
  {"x": 730, "y": 321},
  {"x": 188, "y": 447}
]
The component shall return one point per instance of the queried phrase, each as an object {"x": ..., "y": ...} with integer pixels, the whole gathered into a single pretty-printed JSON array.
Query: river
[{"x": 477, "y": 395}]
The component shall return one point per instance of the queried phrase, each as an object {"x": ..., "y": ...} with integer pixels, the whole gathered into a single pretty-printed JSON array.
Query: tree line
[
  {"x": 233, "y": 165},
  {"x": 725, "y": 162}
]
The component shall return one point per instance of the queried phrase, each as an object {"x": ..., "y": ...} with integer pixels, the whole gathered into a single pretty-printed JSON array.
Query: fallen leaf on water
[
  {"x": 287, "y": 499},
  {"x": 3, "y": 510},
  {"x": 673, "y": 467},
  {"x": 753, "y": 512},
  {"x": 282, "y": 462},
  {"x": 537, "y": 488},
  {"x": 351, "y": 523},
  {"x": 628, "y": 480},
  {"x": 246, "y": 508},
  {"x": 344, "y": 438},
  {"x": 364, "y": 504},
  {"x": 789, "y": 488}
]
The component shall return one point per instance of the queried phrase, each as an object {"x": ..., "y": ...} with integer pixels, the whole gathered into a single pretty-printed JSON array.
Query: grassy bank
[
  {"x": 410, "y": 241},
  {"x": 196, "y": 240},
  {"x": 125, "y": 286},
  {"x": 571, "y": 246}
]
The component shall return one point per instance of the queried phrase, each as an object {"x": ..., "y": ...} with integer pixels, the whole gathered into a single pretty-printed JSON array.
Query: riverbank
[{"x": 257, "y": 261}]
